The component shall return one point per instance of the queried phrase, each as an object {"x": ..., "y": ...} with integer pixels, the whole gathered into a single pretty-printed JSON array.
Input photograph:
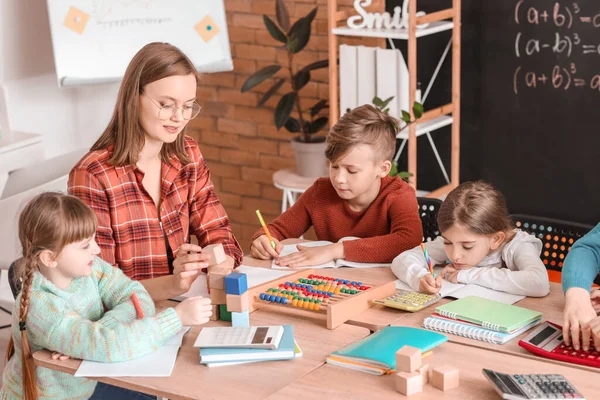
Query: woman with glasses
[{"x": 149, "y": 184}]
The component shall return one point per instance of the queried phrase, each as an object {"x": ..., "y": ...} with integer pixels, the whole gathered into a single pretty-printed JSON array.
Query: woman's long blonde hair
[
  {"x": 153, "y": 62},
  {"x": 50, "y": 221}
]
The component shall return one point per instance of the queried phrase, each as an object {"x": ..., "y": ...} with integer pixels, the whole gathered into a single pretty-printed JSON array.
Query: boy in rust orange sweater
[{"x": 359, "y": 199}]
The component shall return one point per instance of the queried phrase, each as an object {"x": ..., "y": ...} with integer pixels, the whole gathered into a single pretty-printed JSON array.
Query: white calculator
[
  {"x": 250, "y": 337},
  {"x": 532, "y": 386}
]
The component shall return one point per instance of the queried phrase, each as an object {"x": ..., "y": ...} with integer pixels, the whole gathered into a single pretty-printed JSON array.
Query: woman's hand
[{"x": 187, "y": 265}]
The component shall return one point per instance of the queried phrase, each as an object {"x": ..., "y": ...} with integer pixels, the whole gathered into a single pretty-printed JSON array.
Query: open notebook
[
  {"x": 460, "y": 290},
  {"x": 292, "y": 248}
]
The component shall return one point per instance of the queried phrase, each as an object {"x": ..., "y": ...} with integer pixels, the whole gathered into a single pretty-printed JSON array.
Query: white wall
[{"x": 68, "y": 118}]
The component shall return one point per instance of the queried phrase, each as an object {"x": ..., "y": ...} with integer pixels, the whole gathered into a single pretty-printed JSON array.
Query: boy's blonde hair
[
  {"x": 363, "y": 125},
  {"x": 479, "y": 206},
  {"x": 50, "y": 221}
]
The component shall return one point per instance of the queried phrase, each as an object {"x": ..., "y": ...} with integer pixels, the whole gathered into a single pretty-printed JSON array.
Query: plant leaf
[
  {"x": 292, "y": 125},
  {"x": 283, "y": 17},
  {"x": 274, "y": 30},
  {"x": 377, "y": 102},
  {"x": 418, "y": 110},
  {"x": 301, "y": 79},
  {"x": 405, "y": 116},
  {"x": 394, "y": 169},
  {"x": 386, "y": 101},
  {"x": 284, "y": 109},
  {"x": 316, "y": 65},
  {"x": 387, "y": 110},
  {"x": 318, "y": 107},
  {"x": 316, "y": 125},
  {"x": 271, "y": 92},
  {"x": 300, "y": 32},
  {"x": 259, "y": 76}
]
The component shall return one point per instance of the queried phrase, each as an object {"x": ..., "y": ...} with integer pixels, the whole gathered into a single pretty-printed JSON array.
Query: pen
[
  {"x": 262, "y": 222},
  {"x": 136, "y": 304},
  {"x": 428, "y": 260}
]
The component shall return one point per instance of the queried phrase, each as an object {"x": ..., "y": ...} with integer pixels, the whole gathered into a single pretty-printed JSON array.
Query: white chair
[{"x": 22, "y": 185}]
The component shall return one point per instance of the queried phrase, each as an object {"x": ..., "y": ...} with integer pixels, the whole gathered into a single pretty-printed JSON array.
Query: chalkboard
[
  {"x": 94, "y": 40},
  {"x": 540, "y": 105}
]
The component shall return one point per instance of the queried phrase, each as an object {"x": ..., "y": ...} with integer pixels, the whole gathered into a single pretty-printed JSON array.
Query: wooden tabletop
[
  {"x": 191, "y": 380},
  {"x": 330, "y": 381}
]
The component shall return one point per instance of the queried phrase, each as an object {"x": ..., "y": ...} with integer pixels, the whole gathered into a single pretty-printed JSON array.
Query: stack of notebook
[
  {"x": 219, "y": 357},
  {"x": 482, "y": 319},
  {"x": 376, "y": 354}
]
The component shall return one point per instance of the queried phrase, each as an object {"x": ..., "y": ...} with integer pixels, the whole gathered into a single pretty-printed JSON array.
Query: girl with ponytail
[{"x": 74, "y": 304}]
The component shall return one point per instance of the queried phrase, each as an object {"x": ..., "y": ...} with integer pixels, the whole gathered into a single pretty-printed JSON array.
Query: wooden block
[
  {"x": 236, "y": 283},
  {"x": 215, "y": 313},
  {"x": 240, "y": 318},
  {"x": 216, "y": 253},
  {"x": 216, "y": 277},
  {"x": 444, "y": 377},
  {"x": 424, "y": 371},
  {"x": 409, "y": 383},
  {"x": 408, "y": 359},
  {"x": 238, "y": 302},
  {"x": 218, "y": 296},
  {"x": 224, "y": 315}
]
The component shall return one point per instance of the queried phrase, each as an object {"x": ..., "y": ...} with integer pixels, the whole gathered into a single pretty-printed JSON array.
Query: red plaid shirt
[{"x": 129, "y": 232}]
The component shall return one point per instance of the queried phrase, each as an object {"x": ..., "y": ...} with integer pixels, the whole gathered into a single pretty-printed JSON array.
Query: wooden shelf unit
[{"x": 432, "y": 119}]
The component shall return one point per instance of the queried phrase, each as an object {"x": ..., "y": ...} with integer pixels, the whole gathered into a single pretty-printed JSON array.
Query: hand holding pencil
[
  {"x": 265, "y": 246},
  {"x": 429, "y": 283}
]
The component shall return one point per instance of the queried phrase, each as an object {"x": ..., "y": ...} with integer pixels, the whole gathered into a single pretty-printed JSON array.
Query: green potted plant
[{"x": 290, "y": 112}]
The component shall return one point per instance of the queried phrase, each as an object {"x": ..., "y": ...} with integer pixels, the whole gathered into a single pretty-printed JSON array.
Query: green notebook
[
  {"x": 376, "y": 353},
  {"x": 489, "y": 314}
]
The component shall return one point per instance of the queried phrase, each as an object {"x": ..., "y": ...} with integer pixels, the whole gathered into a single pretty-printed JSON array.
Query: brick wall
[{"x": 238, "y": 139}]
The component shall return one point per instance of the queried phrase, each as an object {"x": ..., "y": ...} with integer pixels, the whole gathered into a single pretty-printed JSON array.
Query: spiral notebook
[
  {"x": 489, "y": 314},
  {"x": 471, "y": 331}
]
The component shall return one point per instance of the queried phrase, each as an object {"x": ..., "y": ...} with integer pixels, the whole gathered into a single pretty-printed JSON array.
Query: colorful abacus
[{"x": 340, "y": 299}]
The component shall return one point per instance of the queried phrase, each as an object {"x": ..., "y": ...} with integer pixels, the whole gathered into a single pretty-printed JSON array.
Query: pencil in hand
[
  {"x": 262, "y": 222},
  {"x": 428, "y": 260},
  {"x": 138, "y": 307}
]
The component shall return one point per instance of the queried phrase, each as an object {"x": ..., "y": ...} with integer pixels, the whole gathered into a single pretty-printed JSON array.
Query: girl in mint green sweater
[{"x": 75, "y": 304}]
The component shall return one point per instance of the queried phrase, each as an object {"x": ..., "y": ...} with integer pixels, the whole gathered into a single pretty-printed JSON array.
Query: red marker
[{"x": 136, "y": 304}]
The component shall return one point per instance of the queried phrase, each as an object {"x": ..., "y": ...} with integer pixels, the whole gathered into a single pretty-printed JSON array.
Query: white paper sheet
[{"x": 157, "y": 364}]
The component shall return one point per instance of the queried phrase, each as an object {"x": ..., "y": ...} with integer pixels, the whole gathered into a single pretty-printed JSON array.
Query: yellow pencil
[{"x": 262, "y": 222}]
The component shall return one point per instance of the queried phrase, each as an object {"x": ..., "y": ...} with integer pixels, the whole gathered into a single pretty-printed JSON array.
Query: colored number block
[
  {"x": 240, "y": 318},
  {"x": 444, "y": 377},
  {"x": 218, "y": 296},
  {"x": 216, "y": 277},
  {"x": 215, "y": 313},
  {"x": 409, "y": 383},
  {"x": 408, "y": 359},
  {"x": 236, "y": 283},
  {"x": 216, "y": 253},
  {"x": 224, "y": 315},
  {"x": 238, "y": 302}
]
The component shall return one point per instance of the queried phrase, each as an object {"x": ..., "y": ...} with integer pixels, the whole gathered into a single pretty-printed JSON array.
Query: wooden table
[
  {"x": 550, "y": 306},
  {"x": 191, "y": 380},
  {"x": 330, "y": 381}
]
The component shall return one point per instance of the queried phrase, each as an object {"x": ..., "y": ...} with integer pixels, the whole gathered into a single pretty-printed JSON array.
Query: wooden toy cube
[
  {"x": 216, "y": 277},
  {"x": 444, "y": 377},
  {"x": 224, "y": 315},
  {"x": 424, "y": 371},
  {"x": 408, "y": 359},
  {"x": 240, "y": 318},
  {"x": 216, "y": 253},
  {"x": 409, "y": 383},
  {"x": 236, "y": 283},
  {"x": 238, "y": 302},
  {"x": 215, "y": 313},
  {"x": 218, "y": 296}
]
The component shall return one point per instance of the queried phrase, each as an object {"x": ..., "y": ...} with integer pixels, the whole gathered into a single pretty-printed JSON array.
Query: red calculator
[{"x": 547, "y": 341}]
